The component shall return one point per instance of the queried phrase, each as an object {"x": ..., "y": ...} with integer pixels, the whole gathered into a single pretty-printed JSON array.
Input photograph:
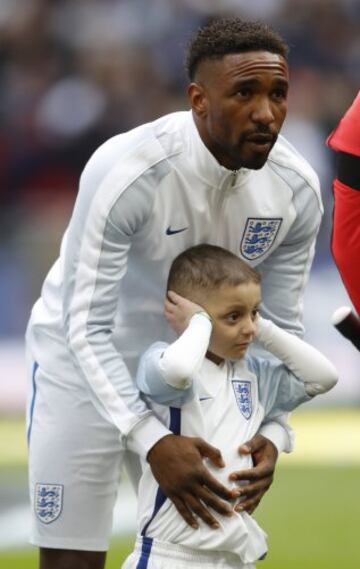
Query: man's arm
[
  {"x": 113, "y": 204},
  {"x": 284, "y": 277}
]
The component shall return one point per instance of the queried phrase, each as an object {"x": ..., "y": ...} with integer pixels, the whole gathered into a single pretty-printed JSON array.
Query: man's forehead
[{"x": 246, "y": 63}]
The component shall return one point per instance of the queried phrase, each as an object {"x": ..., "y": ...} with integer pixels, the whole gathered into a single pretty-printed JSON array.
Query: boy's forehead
[{"x": 235, "y": 295}]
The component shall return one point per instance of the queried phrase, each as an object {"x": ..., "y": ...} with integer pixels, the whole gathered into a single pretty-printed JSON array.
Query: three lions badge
[
  {"x": 48, "y": 502},
  {"x": 259, "y": 234},
  {"x": 242, "y": 391}
]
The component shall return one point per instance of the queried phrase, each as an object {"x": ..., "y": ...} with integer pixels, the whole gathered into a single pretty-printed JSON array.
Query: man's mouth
[{"x": 260, "y": 141}]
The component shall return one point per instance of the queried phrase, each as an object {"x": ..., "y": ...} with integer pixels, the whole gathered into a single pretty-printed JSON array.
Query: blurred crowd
[{"x": 74, "y": 73}]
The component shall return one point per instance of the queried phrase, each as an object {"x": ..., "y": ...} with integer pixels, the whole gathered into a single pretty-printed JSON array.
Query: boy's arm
[
  {"x": 182, "y": 359},
  {"x": 166, "y": 371},
  {"x": 310, "y": 366}
]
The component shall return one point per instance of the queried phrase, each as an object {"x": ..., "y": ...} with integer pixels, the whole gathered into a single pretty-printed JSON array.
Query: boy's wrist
[{"x": 204, "y": 314}]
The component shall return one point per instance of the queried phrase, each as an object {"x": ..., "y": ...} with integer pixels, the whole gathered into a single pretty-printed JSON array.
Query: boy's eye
[
  {"x": 233, "y": 317},
  {"x": 254, "y": 313}
]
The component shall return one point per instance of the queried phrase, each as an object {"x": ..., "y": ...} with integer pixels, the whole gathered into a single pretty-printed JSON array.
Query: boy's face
[{"x": 233, "y": 310}]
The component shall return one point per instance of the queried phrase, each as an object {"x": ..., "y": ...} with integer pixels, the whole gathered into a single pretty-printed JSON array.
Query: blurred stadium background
[{"x": 73, "y": 74}]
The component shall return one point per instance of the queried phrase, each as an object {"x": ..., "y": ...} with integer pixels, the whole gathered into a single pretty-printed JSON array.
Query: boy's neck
[{"x": 214, "y": 358}]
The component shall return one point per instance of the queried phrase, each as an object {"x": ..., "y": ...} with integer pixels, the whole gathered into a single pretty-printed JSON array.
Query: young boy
[{"x": 205, "y": 384}]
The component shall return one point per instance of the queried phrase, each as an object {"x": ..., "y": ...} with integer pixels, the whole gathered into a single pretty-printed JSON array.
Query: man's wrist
[{"x": 145, "y": 434}]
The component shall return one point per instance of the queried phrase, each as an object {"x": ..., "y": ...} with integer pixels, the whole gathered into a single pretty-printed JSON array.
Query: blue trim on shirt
[
  {"x": 160, "y": 499},
  {"x": 35, "y": 367},
  {"x": 145, "y": 553}
]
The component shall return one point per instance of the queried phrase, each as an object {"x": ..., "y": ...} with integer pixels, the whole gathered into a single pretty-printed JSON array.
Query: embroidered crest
[
  {"x": 48, "y": 502},
  {"x": 259, "y": 235},
  {"x": 242, "y": 390}
]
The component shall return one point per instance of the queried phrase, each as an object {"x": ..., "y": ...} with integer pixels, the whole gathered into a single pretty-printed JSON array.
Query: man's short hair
[
  {"x": 231, "y": 35},
  {"x": 205, "y": 268}
]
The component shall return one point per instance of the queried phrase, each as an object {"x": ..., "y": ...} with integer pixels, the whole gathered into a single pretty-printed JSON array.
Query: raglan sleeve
[
  {"x": 166, "y": 371},
  {"x": 302, "y": 372},
  {"x": 112, "y": 206},
  {"x": 285, "y": 272}
]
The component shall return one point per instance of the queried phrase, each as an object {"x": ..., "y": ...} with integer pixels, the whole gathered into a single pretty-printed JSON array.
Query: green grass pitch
[{"x": 311, "y": 514}]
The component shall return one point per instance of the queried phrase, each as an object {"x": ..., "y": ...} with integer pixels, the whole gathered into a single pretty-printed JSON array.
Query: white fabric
[
  {"x": 214, "y": 415},
  {"x": 306, "y": 362},
  {"x": 227, "y": 407},
  {"x": 136, "y": 210},
  {"x": 180, "y": 360},
  {"x": 161, "y": 554},
  {"x": 144, "y": 197}
]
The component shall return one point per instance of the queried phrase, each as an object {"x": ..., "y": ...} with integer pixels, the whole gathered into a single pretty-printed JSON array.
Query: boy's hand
[{"x": 179, "y": 311}]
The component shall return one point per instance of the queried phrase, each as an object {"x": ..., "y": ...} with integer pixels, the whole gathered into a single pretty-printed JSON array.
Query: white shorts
[
  {"x": 149, "y": 554},
  {"x": 75, "y": 461}
]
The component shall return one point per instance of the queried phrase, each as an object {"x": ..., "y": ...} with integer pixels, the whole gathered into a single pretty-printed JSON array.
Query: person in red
[{"x": 345, "y": 140}]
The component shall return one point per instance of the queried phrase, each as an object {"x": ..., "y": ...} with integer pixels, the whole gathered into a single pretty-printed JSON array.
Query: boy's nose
[{"x": 249, "y": 326}]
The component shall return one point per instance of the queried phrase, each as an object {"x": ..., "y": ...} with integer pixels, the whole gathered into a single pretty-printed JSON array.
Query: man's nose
[{"x": 263, "y": 111}]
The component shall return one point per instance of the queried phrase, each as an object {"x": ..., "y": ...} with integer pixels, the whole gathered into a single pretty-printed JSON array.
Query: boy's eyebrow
[{"x": 239, "y": 306}]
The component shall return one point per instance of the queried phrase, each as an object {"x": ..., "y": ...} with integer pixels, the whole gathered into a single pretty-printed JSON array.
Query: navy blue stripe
[
  {"x": 175, "y": 428},
  {"x": 36, "y": 365},
  {"x": 145, "y": 553}
]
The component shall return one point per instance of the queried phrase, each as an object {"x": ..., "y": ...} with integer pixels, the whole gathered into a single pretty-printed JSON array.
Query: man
[
  {"x": 345, "y": 243},
  {"x": 345, "y": 140},
  {"x": 200, "y": 176}
]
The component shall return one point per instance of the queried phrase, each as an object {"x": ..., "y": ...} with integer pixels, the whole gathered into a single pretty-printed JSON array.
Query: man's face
[
  {"x": 233, "y": 311},
  {"x": 239, "y": 104}
]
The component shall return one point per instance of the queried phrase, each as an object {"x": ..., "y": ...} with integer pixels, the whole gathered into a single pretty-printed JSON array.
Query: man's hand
[
  {"x": 177, "y": 464},
  {"x": 260, "y": 477}
]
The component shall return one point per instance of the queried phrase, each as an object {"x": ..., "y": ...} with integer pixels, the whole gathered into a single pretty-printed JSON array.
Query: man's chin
[{"x": 255, "y": 162}]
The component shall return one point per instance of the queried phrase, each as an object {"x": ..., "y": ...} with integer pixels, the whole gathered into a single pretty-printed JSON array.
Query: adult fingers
[
  {"x": 253, "y": 445},
  {"x": 184, "y": 512},
  {"x": 210, "y": 452}
]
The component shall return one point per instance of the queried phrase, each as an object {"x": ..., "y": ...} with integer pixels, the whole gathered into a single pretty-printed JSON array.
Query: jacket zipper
[{"x": 226, "y": 186}]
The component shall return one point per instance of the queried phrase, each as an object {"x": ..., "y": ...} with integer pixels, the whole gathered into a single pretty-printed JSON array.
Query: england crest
[
  {"x": 242, "y": 390},
  {"x": 259, "y": 235},
  {"x": 48, "y": 502}
]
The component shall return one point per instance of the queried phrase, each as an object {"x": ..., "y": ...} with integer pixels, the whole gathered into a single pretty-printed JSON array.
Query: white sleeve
[
  {"x": 114, "y": 202},
  {"x": 279, "y": 432},
  {"x": 182, "y": 359},
  {"x": 306, "y": 362}
]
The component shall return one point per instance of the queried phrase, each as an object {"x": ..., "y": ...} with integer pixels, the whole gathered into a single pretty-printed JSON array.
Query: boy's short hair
[
  {"x": 231, "y": 35},
  {"x": 208, "y": 267}
]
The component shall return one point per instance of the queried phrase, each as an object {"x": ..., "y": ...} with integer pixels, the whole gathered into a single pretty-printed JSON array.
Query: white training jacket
[
  {"x": 224, "y": 404},
  {"x": 145, "y": 196}
]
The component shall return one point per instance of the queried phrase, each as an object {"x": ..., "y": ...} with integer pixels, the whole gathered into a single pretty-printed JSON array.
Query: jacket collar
[{"x": 204, "y": 163}]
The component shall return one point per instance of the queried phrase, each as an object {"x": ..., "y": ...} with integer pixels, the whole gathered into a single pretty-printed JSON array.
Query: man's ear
[{"x": 198, "y": 99}]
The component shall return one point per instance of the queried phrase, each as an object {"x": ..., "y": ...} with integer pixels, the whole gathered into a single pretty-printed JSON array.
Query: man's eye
[
  {"x": 280, "y": 94},
  {"x": 244, "y": 92}
]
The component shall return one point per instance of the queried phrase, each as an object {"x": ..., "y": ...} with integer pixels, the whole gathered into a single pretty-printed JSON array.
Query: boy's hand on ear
[{"x": 179, "y": 311}]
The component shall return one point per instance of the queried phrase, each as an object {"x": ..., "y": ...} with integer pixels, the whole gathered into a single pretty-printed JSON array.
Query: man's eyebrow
[{"x": 244, "y": 81}]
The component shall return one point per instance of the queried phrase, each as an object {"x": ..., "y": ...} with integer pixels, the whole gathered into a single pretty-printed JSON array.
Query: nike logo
[
  {"x": 170, "y": 231},
  {"x": 205, "y": 398}
]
